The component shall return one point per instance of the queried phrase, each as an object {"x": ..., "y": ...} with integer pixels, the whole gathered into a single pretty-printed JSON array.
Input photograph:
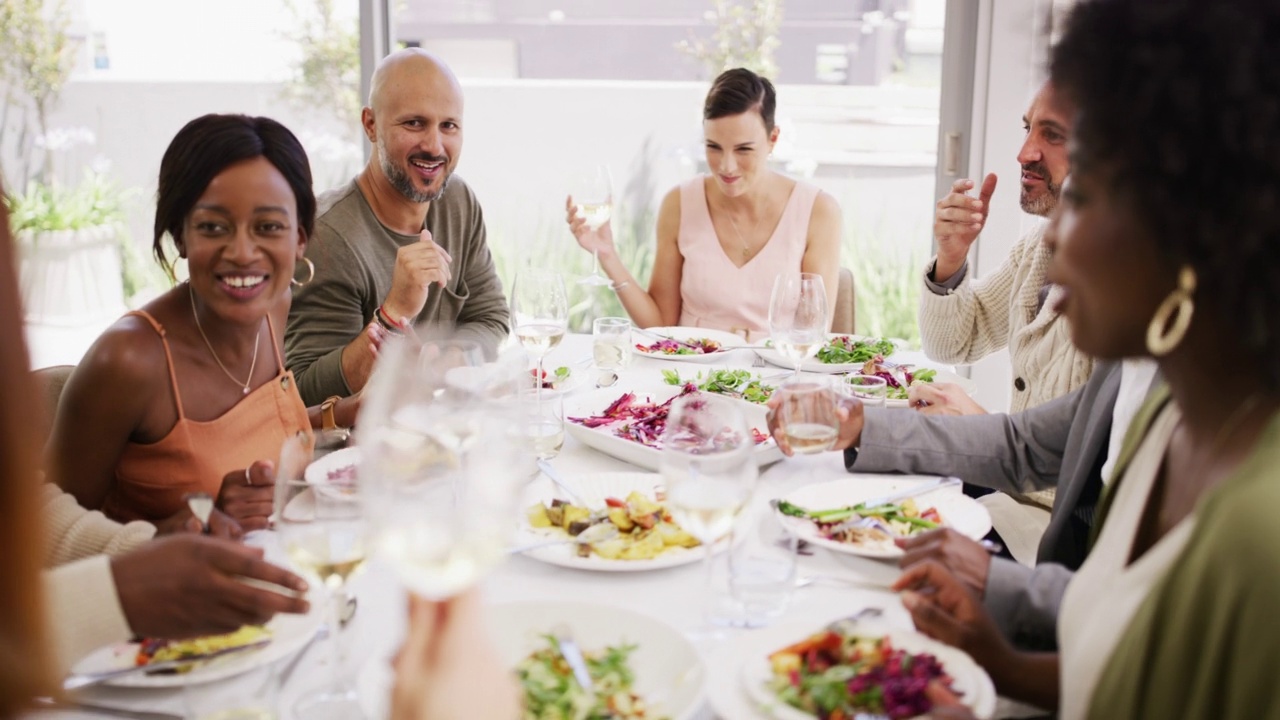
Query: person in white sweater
[{"x": 963, "y": 320}]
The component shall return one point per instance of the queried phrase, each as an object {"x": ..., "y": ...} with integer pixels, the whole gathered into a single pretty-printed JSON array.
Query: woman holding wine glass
[{"x": 723, "y": 236}]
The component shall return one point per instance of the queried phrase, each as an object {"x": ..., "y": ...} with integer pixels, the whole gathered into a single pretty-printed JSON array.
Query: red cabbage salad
[
  {"x": 701, "y": 346},
  {"x": 643, "y": 421},
  {"x": 898, "y": 377}
]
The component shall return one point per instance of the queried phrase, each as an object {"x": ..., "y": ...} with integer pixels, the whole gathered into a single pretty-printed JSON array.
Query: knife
[
  {"x": 921, "y": 489},
  {"x": 573, "y": 655},
  {"x": 79, "y": 680}
]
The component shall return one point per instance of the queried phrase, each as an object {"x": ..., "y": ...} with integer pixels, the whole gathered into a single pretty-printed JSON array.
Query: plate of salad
[
  {"x": 700, "y": 345},
  {"x": 628, "y": 424},
  {"x": 799, "y": 671},
  {"x": 840, "y": 354},
  {"x": 642, "y": 668},
  {"x": 901, "y": 376},
  {"x": 834, "y": 514},
  {"x": 557, "y": 378},
  {"x": 734, "y": 383}
]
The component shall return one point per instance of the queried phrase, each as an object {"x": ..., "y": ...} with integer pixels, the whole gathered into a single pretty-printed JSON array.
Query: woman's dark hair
[
  {"x": 210, "y": 144},
  {"x": 737, "y": 91},
  {"x": 1178, "y": 105}
]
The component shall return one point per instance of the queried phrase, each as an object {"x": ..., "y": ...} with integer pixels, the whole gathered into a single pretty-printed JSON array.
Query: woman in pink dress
[{"x": 724, "y": 237}]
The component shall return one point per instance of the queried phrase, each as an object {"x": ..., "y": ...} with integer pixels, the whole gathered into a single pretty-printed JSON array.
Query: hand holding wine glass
[
  {"x": 589, "y": 208},
  {"x": 798, "y": 319}
]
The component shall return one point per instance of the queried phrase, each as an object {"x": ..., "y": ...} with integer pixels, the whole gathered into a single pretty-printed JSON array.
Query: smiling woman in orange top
[
  {"x": 724, "y": 237},
  {"x": 189, "y": 394}
]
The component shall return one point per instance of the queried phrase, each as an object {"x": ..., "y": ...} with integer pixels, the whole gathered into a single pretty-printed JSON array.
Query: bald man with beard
[{"x": 403, "y": 244}]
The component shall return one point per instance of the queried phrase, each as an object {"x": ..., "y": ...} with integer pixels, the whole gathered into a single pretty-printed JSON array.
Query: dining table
[{"x": 837, "y": 585}]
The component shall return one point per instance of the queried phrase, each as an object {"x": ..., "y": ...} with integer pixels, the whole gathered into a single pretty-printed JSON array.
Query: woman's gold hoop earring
[
  {"x": 1169, "y": 325},
  {"x": 311, "y": 274}
]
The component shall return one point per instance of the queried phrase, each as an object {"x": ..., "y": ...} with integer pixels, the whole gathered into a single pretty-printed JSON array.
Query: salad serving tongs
[
  {"x": 573, "y": 655},
  {"x": 79, "y": 680}
]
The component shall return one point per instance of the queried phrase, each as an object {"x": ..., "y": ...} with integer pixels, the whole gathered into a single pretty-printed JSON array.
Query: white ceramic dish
[
  {"x": 289, "y": 633},
  {"x": 588, "y": 404},
  {"x": 774, "y": 357},
  {"x": 575, "y": 379},
  {"x": 958, "y": 511},
  {"x": 969, "y": 680},
  {"x": 593, "y": 489},
  {"x": 728, "y": 341},
  {"x": 669, "y": 675},
  {"x": 317, "y": 473}
]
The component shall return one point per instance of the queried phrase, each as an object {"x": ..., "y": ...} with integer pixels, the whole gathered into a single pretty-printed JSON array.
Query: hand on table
[
  {"x": 965, "y": 558},
  {"x": 849, "y": 412},
  {"x": 944, "y": 608},
  {"x": 942, "y": 399},
  {"x": 957, "y": 222},
  {"x": 190, "y": 585},
  {"x": 247, "y": 495},
  {"x": 448, "y": 668}
]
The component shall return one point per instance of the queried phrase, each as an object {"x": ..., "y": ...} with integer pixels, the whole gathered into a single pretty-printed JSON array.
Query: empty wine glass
[
  {"x": 319, "y": 519},
  {"x": 798, "y": 315},
  {"x": 592, "y": 195},
  {"x": 708, "y": 466},
  {"x": 539, "y": 313}
]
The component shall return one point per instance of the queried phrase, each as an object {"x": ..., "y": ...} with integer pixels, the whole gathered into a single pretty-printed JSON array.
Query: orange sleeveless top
[{"x": 151, "y": 479}]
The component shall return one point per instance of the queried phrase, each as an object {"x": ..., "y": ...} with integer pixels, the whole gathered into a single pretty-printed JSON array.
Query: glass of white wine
[
  {"x": 320, "y": 521},
  {"x": 807, "y": 414},
  {"x": 442, "y": 511},
  {"x": 539, "y": 311},
  {"x": 798, "y": 315},
  {"x": 592, "y": 195},
  {"x": 708, "y": 466}
]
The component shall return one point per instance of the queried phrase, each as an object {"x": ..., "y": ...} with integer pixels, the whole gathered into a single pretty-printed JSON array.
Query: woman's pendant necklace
[{"x": 256, "y": 342}]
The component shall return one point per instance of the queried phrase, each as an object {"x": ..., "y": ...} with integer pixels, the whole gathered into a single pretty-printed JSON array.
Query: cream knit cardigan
[
  {"x": 84, "y": 611},
  {"x": 985, "y": 316}
]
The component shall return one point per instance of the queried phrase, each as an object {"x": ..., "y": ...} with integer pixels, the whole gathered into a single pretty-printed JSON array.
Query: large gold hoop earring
[
  {"x": 1169, "y": 325},
  {"x": 311, "y": 275}
]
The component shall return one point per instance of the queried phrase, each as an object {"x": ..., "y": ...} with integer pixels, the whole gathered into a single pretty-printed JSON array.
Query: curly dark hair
[
  {"x": 1178, "y": 101},
  {"x": 210, "y": 144}
]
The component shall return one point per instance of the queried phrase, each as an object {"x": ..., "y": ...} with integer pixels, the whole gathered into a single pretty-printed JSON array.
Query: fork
[{"x": 758, "y": 362}]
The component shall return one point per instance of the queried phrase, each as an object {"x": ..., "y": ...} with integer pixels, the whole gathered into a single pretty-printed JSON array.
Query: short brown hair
[{"x": 737, "y": 91}]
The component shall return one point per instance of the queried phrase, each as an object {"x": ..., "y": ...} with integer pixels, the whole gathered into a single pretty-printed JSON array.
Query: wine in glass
[
  {"x": 539, "y": 312},
  {"x": 708, "y": 466},
  {"x": 807, "y": 414},
  {"x": 798, "y": 316},
  {"x": 319, "y": 519},
  {"x": 592, "y": 195}
]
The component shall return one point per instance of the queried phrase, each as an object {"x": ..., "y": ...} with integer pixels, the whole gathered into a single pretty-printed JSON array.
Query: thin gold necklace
[
  {"x": 746, "y": 249},
  {"x": 256, "y": 342}
]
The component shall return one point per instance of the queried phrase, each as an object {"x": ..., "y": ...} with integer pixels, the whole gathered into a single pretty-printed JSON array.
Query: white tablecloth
[{"x": 674, "y": 595}]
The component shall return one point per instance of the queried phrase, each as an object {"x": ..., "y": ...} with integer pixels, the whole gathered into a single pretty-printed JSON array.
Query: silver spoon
[
  {"x": 201, "y": 505},
  {"x": 606, "y": 378}
]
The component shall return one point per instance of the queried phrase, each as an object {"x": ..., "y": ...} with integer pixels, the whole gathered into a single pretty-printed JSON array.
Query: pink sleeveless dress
[{"x": 717, "y": 294}]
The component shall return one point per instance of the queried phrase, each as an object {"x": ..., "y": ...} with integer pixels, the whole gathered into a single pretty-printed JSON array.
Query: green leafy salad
[
  {"x": 552, "y": 693},
  {"x": 738, "y": 383},
  {"x": 847, "y": 350}
]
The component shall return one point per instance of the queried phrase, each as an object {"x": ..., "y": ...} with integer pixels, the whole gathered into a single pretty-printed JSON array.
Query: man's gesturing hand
[
  {"x": 957, "y": 223},
  {"x": 417, "y": 266},
  {"x": 189, "y": 585}
]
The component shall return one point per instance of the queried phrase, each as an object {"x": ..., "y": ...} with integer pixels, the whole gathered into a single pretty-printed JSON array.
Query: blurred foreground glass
[
  {"x": 251, "y": 696},
  {"x": 762, "y": 575},
  {"x": 319, "y": 519},
  {"x": 807, "y": 414},
  {"x": 709, "y": 468},
  {"x": 869, "y": 389},
  {"x": 798, "y": 319},
  {"x": 440, "y": 477},
  {"x": 543, "y": 423}
]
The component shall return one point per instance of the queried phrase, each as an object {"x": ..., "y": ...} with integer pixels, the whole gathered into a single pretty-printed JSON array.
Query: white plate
[
  {"x": 317, "y": 473},
  {"x": 728, "y": 341},
  {"x": 575, "y": 379},
  {"x": 969, "y": 680},
  {"x": 958, "y": 511},
  {"x": 593, "y": 489},
  {"x": 668, "y": 673},
  {"x": 774, "y": 357},
  {"x": 588, "y": 404},
  {"x": 289, "y": 633}
]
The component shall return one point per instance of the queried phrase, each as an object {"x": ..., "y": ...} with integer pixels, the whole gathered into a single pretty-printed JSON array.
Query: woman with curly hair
[{"x": 1168, "y": 246}]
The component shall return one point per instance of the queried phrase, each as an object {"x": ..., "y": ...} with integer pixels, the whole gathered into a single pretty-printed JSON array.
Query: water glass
[
  {"x": 869, "y": 389},
  {"x": 762, "y": 577},
  {"x": 807, "y": 414},
  {"x": 611, "y": 343},
  {"x": 544, "y": 423},
  {"x": 251, "y": 696}
]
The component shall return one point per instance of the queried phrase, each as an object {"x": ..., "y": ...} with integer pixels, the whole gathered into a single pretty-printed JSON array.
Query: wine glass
[
  {"x": 798, "y": 315},
  {"x": 708, "y": 466},
  {"x": 592, "y": 195},
  {"x": 442, "y": 510},
  {"x": 540, "y": 313},
  {"x": 319, "y": 519},
  {"x": 807, "y": 414}
]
